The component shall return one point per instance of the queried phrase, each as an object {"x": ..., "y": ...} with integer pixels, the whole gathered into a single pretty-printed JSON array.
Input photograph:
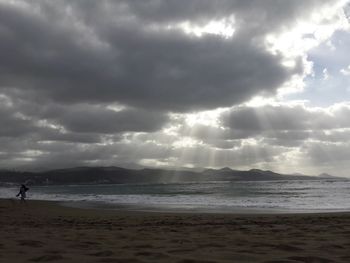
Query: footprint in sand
[
  {"x": 279, "y": 261},
  {"x": 54, "y": 251},
  {"x": 180, "y": 250},
  {"x": 310, "y": 259},
  {"x": 194, "y": 261},
  {"x": 46, "y": 258},
  {"x": 330, "y": 247},
  {"x": 288, "y": 248},
  {"x": 30, "y": 243},
  {"x": 346, "y": 258},
  {"x": 211, "y": 245},
  {"x": 91, "y": 243},
  {"x": 104, "y": 253},
  {"x": 120, "y": 260},
  {"x": 143, "y": 246},
  {"x": 154, "y": 255}
]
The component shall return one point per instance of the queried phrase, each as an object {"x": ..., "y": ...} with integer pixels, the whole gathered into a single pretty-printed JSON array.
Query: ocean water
[{"x": 269, "y": 196}]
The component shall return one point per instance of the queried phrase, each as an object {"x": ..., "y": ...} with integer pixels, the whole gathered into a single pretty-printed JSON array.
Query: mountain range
[{"x": 118, "y": 175}]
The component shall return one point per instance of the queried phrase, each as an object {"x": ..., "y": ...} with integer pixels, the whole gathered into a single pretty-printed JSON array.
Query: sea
[{"x": 304, "y": 196}]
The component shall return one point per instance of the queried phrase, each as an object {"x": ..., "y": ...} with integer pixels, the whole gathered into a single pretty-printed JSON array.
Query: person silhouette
[{"x": 22, "y": 192}]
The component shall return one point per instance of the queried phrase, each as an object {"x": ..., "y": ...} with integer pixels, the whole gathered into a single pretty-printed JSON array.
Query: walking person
[{"x": 22, "y": 192}]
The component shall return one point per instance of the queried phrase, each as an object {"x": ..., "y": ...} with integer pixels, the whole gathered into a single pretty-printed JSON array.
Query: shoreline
[
  {"x": 63, "y": 207},
  {"x": 154, "y": 209},
  {"x": 194, "y": 210}
]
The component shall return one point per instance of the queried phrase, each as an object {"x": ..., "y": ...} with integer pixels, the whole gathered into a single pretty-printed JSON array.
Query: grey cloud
[
  {"x": 12, "y": 124},
  {"x": 64, "y": 62},
  {"x": 263, "y": 16},
  {"x": 325, "y": 153},
  {"x": 332, "y": 136},
  {"x": 288, "y": 135},
  {"x": 72, "y": 60},
  {"x": 283, "y": 125},
  {"x": 97, "y": 119},
  {"x": 37, "y": 155},
  {"x": 286, "y": 138},
  {"x": 205, "y": 133},
  {"x": 249, "y": 155},
  {"x": 60, "y": 154},
  {"x": 223, "y": 144},
  {"x": 29, "y": 153},
  {"x": 284, "y": 117},
  {"x": 74, "y": 123},
  {"x": 47, "y": 134},
  {"x": 268, "y": 118}
]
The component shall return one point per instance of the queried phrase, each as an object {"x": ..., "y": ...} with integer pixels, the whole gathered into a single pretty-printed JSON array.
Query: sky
[{"x": 175, "y": 84}]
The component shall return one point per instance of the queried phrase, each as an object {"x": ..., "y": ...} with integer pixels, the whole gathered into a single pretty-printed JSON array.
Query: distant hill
[
  {"x": 118, "y": 175},
  {"x": 328, "y": 176}
]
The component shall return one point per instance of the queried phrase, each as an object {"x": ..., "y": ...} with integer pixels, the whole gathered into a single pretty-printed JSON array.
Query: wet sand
[{"x": 48, "y": 232}]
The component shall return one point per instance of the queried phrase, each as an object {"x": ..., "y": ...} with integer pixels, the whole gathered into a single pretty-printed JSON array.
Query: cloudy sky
[{"x": 170, "y": 83}]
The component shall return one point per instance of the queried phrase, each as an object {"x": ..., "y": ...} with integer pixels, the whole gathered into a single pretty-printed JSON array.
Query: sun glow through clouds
[
  {"x": 175, "y": 83},
  {"x": 224, "y": 27},
  {"x": 208, "y": 118}
]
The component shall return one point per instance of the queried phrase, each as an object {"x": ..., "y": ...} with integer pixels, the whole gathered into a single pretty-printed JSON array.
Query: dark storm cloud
[
  {"x": 85, "y": 118},
  {"x": 75, "y": 123},
  {"x": 257, "y": 16},
  {"x": 283, "y": 125},
  {"x": 277, "y": 118},
  {"x": 290, "y": 138},
  {"x": 56, "y": 50},
  {"x": 266, "y": 118},
  {"x": 205, "y": 132},
  {"x": 13, "y": 124},
  {"x": 230, "y": 138},
  {"x": 61, "y": 154},
  {"x": 64, "y": 64},
  {"x": 201, "y": 156},
  {"x": 47, "y": 134}
]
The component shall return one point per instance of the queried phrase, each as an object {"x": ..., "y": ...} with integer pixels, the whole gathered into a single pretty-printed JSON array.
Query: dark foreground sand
[{"x": 48, "y": 232}]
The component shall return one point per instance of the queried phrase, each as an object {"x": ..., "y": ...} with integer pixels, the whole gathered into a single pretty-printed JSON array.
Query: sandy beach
[{"x": 48, "y": 232}]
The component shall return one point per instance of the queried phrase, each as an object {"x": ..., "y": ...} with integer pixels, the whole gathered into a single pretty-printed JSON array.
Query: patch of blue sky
[{"x": 327, "y": 85}]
